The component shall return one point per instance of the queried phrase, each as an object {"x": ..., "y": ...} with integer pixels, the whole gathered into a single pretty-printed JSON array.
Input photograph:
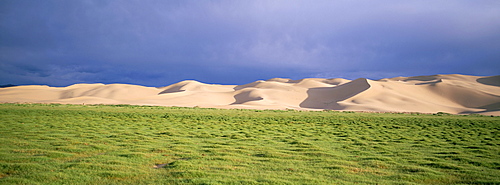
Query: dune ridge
[{"x": 455, "y": 94}]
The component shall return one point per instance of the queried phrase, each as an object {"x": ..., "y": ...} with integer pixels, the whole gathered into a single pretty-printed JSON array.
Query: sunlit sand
[{"x": 456, "y": 94}]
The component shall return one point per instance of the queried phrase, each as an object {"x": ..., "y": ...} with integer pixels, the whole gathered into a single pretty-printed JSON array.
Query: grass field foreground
[{"x": 121, "y": 144}]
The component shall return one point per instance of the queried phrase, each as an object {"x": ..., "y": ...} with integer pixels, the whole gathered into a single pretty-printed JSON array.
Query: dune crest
[{"x": 456, "y": 94}]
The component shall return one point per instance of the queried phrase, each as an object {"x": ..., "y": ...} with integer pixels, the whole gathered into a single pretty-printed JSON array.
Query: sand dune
[{"x": 456, "y": 94}]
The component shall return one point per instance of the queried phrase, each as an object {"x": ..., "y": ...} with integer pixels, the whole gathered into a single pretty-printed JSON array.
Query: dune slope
[{"x": 456, "y": 94}]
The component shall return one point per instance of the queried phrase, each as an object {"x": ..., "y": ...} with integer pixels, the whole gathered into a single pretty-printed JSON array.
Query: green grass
[{"x": 75, "y": 144}]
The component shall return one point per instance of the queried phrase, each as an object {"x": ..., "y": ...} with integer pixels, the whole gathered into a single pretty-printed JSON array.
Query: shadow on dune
[
  {"x": 328, "y": 97},
  {"x": 423, "y": 78},
  {"x": 244, "y": 97},
  {"x": 171, "y": 90},
  {"x": 430, "y": 83},
  {"x": 8, "y": 85},
  {"x": 488, "y": 108},
  {"x": 253, "y": 84},
  {"x": 491, "y": 80},
  {"x": 314, "y": 101},
  {"x": 492, "y": 107}
]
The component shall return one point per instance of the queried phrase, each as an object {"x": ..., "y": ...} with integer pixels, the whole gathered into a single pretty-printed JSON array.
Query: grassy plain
[{"x": 76, "y": 144}]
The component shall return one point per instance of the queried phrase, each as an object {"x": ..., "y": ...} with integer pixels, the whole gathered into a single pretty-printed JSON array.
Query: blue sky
[{"x": 157, "y": 43}]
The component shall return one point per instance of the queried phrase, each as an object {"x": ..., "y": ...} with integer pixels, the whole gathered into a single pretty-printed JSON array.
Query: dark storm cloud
[{"x": 161, "y": 42}]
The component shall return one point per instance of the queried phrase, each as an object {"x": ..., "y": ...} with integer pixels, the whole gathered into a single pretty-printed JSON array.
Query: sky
[{"x": 158, "y": 43}]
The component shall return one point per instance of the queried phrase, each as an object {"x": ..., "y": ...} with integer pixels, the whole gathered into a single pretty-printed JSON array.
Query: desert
[{"x": 452, "y": 93}]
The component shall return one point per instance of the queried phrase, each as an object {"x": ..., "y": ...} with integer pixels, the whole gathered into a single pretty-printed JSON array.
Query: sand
[{"x": 455, "y": 94}]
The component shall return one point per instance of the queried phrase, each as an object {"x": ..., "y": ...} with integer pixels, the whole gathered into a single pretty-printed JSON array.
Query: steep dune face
[
  {"x": 429, "y": 94},
  {"x": 491, "y": 80},
  {"x": 331, "y": 97}
]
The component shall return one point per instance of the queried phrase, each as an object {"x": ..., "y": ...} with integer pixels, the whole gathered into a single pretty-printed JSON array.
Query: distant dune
[{"x": 456, "y": 94}]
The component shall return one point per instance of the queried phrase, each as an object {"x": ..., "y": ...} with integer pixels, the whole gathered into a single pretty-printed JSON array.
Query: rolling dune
[{"x": 456, "y": 94}]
